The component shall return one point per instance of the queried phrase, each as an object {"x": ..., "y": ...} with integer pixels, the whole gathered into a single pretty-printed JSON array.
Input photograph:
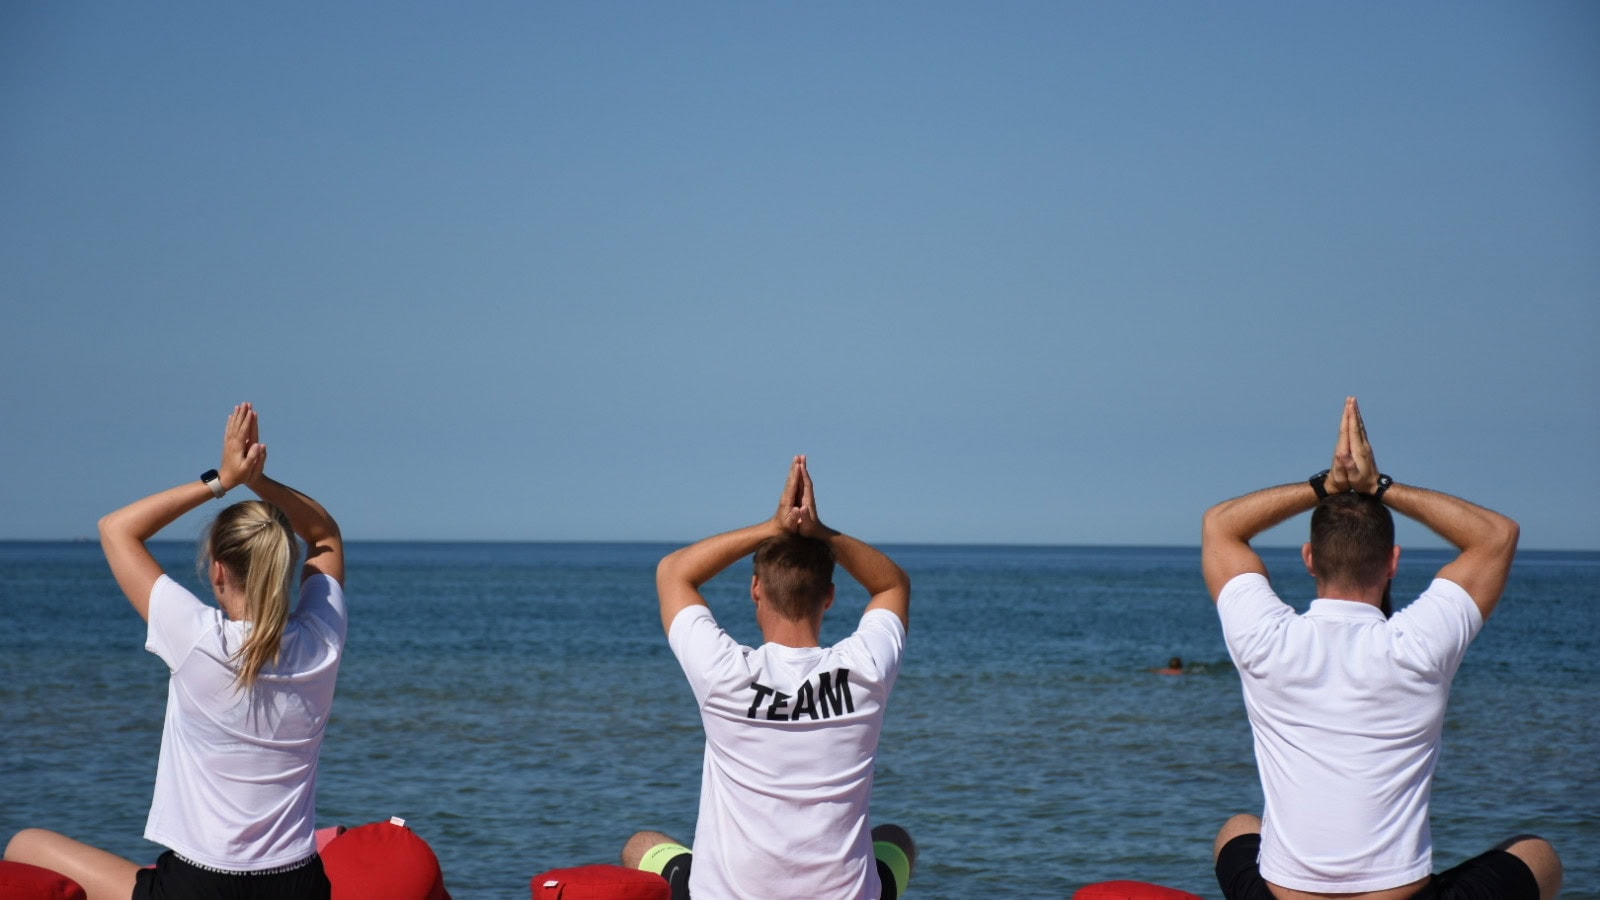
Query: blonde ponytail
[{"x": 256, "y": 545}]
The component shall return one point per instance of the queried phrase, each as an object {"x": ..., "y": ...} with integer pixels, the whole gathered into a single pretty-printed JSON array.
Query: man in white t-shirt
[
  {"x": 791, "y": 727},
  {"x": 1347, "y": 701}
]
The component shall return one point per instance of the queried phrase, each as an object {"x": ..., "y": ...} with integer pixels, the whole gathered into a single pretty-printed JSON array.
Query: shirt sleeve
[
  {"x": 884, "y": 636},
  {"x": 706, "y": 653},
  {"x": 1438, "y": 626},
  {"x": 177, "y": 621},
  {"x": 322, "y": 598},
  {"x": 1251, "y": 615}
]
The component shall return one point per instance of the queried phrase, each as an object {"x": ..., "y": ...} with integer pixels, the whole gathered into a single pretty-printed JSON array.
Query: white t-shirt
[
  {"x": 236, "y": 783},
  {"x": 1347, "y": 709},
  {"x": 791, "y": 736}
]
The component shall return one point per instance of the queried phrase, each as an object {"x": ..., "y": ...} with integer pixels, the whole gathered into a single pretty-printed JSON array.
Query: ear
[
  {"x": 1305, "y": 554},
  {"x": 219, "y": 577},
  {"x": 828, "y": 603},
  {"x": 755, "y": 590},
  {"x": 1394, "y": 562}
]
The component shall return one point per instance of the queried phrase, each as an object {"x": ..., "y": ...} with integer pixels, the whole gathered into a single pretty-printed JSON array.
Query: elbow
[
  {"x": 1508, "y": 534},
  {"x": 670, "y": 570},
  {"x": 107, "y": 527},
  {"x": 1211, "y": 523}
]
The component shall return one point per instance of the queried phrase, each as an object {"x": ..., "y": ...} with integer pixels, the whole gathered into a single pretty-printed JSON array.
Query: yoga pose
[
  {"x": 791, "y": 727},
  {"x": 249, "y": 695},
  {"x": 1347, "y": 703}
]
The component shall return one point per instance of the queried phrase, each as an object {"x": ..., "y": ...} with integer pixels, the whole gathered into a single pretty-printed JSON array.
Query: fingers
[{"x": 790, "y": 501}]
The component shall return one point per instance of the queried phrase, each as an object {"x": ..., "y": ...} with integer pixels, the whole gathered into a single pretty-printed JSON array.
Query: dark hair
[
  {"x": 795, "y": 573},
  {"x": 1352, "y": 540}
]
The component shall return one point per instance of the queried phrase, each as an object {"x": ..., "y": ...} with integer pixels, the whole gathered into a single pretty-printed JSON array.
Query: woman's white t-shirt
[{"x": 237, "y": 777}]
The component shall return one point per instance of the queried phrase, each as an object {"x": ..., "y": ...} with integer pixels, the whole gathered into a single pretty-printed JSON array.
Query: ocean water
[{"x": 518, "y": 705}]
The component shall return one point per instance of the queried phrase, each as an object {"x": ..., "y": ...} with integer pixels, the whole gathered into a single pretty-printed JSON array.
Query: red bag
[
  {"x": 599, "y": 882},
  {"x": 1130, "y": 890},
  {"x": 383, "y": 859},
  {"x": 20, "y": 881}
]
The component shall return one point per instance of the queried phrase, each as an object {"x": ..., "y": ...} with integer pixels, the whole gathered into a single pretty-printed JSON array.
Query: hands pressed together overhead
[
  {"x": 244, "y": 457},
  {"x": 797, "y": 508},
  {"x": 1354, "y": 468}
]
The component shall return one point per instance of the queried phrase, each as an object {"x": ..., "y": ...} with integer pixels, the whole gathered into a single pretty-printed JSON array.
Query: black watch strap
[{"x": 1319, "y": 483}]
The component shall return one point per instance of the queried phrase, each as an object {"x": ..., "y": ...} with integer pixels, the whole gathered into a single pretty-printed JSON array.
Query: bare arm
[
  {"x": 123, "y": 533},
  {"x": 1228, "y": 528},
  {"x": 681, "y": 573},
  {"x": 888, "y": 584},
  {"x": 324, "y": 543},
  {"x": 1486, "y": 539}
]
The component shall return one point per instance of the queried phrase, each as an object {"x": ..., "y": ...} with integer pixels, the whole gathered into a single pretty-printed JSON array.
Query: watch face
[{"x": 209, "y": 475}]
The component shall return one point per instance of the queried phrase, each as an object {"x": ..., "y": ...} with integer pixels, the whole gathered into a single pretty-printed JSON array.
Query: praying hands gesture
[
  {"x": 244, "y": 457},
  {"x": 1354, "y": 468},
  {"x": 797, "y": 508}
]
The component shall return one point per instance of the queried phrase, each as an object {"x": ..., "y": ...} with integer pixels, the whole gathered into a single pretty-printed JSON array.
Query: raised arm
[
  {"x": 1228, "y": 527},
  {"x": 124, "y": 533},
  {"x": 680, "y": 574},
  {"x": 1486, "y": 539},
  {"x": 888, "y": 584},
  {"x": 324, "y": 544},
  {"x": 312, "y": 523}
]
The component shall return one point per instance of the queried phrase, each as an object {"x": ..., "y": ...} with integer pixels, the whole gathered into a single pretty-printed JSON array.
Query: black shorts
[
  {"x": 676, "y": 872},
  {"x": 1495, "y": 875},
  {"x": 175, "y": 878}
]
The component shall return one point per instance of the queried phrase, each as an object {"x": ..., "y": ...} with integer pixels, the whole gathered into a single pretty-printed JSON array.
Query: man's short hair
[
  {"x": 1352, "y": 540},
  {"x": 795, "y": 573}
]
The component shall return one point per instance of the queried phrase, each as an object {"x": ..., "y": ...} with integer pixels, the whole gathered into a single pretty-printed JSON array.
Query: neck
[
  {"x": 1372, "y": 596},
  {"x": 792, "y": 633}
]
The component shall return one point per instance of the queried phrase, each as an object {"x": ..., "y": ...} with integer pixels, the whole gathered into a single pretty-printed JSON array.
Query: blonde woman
[{"x": 249, "y": 695}]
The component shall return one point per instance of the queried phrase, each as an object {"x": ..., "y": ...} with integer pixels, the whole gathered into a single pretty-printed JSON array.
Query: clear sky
[{"x": 1047, "y": 272}]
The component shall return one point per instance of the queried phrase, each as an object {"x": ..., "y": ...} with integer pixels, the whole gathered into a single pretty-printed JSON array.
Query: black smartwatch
[
  {"x": 214, "y": 481},
  {"x": 1319, "y": 483},
  {"x": 1383, "y": 485}
]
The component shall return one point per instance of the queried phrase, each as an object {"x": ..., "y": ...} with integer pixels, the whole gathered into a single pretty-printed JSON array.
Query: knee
[
  {"x": 1244, "y": 823},
  {"x": 899, "y": 837},
  {"x": 20, "y": 847},
  {"x": 1540, "y": 858},
  {"x": 637, "y": 846}
]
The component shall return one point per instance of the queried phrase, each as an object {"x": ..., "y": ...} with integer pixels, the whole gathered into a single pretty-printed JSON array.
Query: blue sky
[{"x": 1018, "y": 272}]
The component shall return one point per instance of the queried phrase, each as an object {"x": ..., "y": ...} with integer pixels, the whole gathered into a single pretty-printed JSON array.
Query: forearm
[
  {"x": 307, "y": 517},
  {"x": 143, "y": 519},
  {"x": 1228, "y": 528},
  {"x": 1486, "y": 539},
  {"x": 701, "y": 561},
  {"x": 123, "y": 534},
  {"x": 1467, "y": 526},
  {"x": 868, "y": 565},
  {"x": 1242, "y": 518}
]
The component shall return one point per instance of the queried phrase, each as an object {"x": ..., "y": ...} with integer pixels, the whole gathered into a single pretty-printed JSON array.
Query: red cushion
[
  {"x": 600, "y": 883},
  {"x": 20, "y": 881},
  {"x": 1131, "y": 890},
  {"x": 383, "y": 860}
]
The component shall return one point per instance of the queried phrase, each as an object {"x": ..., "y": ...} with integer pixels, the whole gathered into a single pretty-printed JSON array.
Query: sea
[{"x": 517, "y": 705}]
